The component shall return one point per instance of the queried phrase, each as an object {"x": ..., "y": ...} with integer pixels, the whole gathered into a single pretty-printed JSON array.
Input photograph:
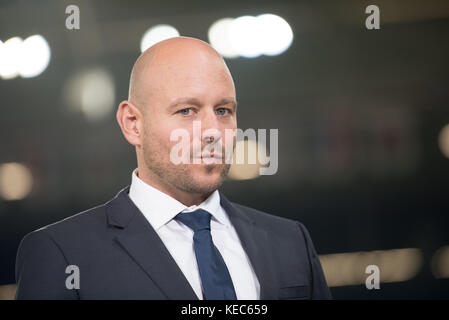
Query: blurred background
[{"x": 363, "y": 140}]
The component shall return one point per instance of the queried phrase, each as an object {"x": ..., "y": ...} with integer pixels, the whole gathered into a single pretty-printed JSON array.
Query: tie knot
[{"x": 196, "y": 220}]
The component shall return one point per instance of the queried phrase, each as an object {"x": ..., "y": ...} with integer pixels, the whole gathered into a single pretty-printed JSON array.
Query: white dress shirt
[{"x": 160, "y": 209}]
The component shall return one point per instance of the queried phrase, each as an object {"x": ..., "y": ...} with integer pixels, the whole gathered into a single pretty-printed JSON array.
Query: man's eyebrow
[
  {"x": 226, "y": 101},
  {"x": 184, "y": 100},
  {"x": 196, "y": 102}
]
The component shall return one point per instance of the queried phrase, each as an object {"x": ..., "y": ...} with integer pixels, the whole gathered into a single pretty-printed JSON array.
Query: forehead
[{"x": 205, "y": 81}]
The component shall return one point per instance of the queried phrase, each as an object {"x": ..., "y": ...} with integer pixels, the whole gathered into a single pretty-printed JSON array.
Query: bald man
[{"x": 172, "y": 234}]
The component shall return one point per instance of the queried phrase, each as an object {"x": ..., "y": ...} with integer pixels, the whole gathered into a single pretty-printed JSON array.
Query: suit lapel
[
  {"x": 254, "y": 241},
  {"x": 142, "y": 243}
]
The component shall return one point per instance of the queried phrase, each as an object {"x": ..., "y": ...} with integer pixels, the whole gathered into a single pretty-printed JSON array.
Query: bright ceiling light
[
  {"x": 156, "y": 34},
  {"x": 245, "y": 36},
  {"x": 219, "y": 38},
  {"x": 27, "y": 58},
  {"x": 10, "y": 53},
  {"x": 276, "y": 34},
  {"x": 35, "y": 56},
  {"x": 251, "y": 37}
]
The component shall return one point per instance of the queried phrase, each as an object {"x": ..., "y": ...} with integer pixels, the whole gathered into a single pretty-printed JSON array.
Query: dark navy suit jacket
[{"x": 120, "y": 256}]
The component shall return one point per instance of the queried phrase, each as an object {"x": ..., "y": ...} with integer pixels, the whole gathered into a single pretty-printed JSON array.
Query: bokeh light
[
  {"x": 27, "y": 58},
  {"x": 246, "y": 163},
  {"x": 440, "y": 263},
  {"x": 251, "y": 37},
  {"x": 35, "y": 56},
  {"x": 16, "y": 181},
  {"x": 91, "y": 92},
  {"x": 443, "y": 141},
  {"x": 219, "y": 38},
  {"x": 396, "y": 265},
  {"x": 156, "y": 34}
]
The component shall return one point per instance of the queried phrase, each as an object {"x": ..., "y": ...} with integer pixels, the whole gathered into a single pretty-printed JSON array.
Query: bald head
[
  {"x": 171, "y": 60},
  {"x": 176, "y": 85}
]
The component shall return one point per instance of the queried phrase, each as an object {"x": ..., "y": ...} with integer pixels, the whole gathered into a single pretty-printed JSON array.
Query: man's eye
[
  {"x": 222, "y": 111},
  {"x": 185, "y": 111}
]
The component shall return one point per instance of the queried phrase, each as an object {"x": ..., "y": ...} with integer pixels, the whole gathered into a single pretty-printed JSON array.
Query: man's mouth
[{"x": 210, "y": 157}]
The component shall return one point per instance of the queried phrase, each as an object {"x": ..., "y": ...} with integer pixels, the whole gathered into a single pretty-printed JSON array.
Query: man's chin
[
  {"x": 207, "y": 182},
  {"x": 203, "y": 178},
  {"x": 201, "y": 187},
  {"x": 211, "y": 171}
]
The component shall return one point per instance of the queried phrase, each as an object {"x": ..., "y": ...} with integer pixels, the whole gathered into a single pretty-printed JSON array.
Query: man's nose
[
  {"x": 210, "y": 126},
  {"x": 209, "y": 119}
]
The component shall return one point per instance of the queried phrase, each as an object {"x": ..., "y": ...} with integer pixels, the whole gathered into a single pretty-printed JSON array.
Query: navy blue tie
[{"x": 215, "y": 278}]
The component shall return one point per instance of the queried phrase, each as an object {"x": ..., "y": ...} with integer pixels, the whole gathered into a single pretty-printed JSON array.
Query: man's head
[{"x": 174, "y": 83}]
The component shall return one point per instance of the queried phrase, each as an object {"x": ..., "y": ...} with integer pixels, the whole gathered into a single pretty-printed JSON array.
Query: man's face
[{"x": 184, "y": 94}]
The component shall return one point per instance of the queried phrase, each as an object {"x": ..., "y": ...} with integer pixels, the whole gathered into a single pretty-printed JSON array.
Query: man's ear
[{"x": 130, "y": 120}]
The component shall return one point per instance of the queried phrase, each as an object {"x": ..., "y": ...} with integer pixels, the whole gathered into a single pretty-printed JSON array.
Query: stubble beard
[{"x": 180, "y": 176}]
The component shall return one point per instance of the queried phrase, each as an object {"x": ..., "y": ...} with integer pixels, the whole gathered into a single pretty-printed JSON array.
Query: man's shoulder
[
  {"x": 268, "y": 220},
  {"x": 75, "y": 225},
  {"x": 285, "y": 230}
]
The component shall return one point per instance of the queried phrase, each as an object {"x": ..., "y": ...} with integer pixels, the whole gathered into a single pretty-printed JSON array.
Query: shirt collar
[{"x": 159, "y": 208}]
